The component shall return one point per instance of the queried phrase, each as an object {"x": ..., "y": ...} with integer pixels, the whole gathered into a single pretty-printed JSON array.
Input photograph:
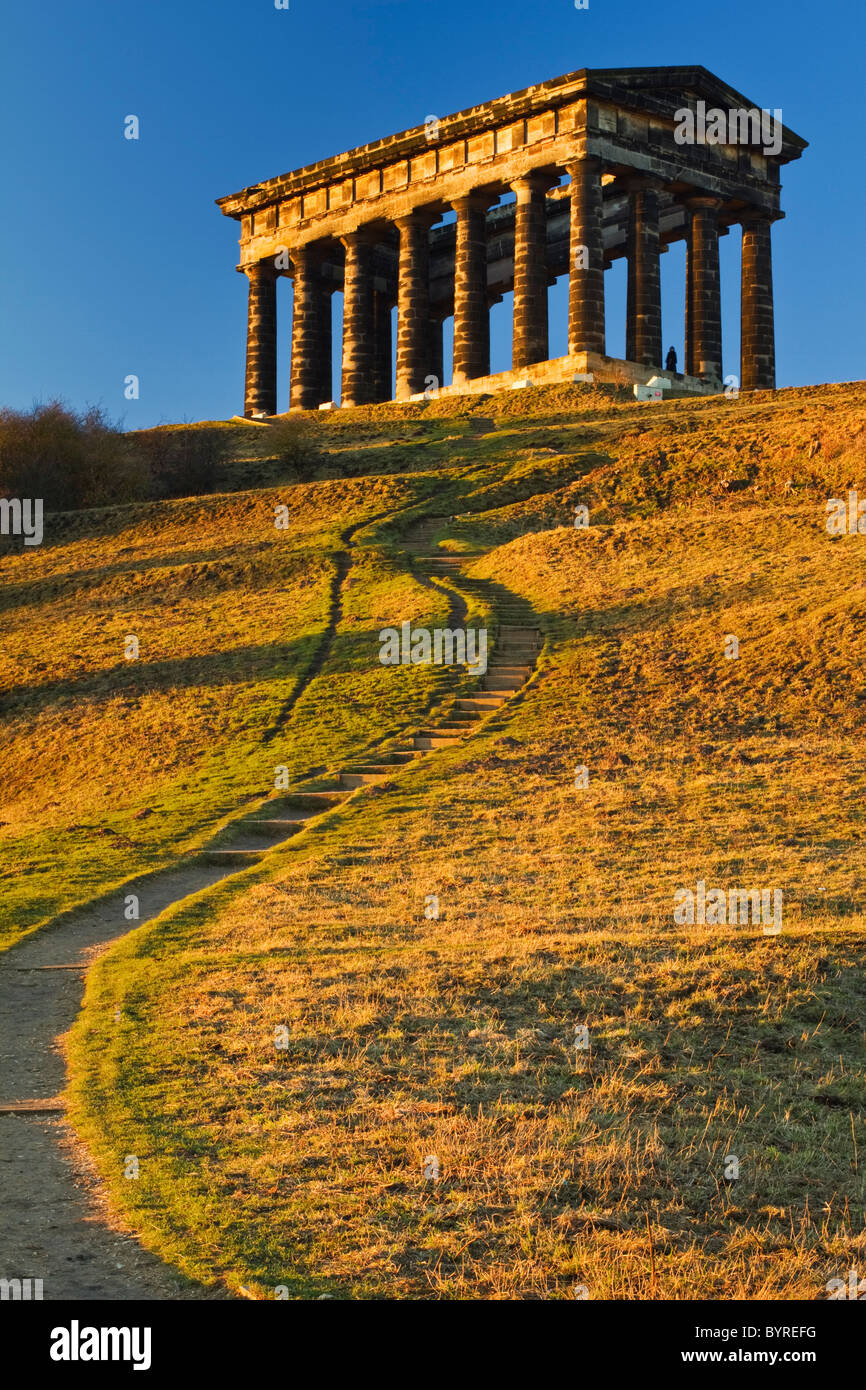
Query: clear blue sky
[{"x": 116, "y": 261}]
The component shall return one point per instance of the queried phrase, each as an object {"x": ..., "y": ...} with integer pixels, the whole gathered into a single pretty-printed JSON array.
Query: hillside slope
[
  {"x": 113, "y": 766},
  {"x": 561, "y": 1170}
]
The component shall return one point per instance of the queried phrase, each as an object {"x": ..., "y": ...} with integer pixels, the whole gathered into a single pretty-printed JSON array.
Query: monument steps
[
  {"x": 518, "y": 643},
  {"x": 282, "y": 818}
]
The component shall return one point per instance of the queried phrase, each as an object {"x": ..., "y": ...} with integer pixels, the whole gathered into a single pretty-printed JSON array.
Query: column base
[{"x": 610, "y": 371}]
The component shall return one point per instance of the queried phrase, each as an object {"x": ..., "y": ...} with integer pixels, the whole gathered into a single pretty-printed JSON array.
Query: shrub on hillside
[
  {"x": 296, "y": 445},
  {"x": 69, "y": 459},
  {"x": 181, "y": 460}
]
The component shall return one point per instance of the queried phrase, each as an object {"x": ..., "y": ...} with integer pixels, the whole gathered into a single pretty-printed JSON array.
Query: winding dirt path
[
  {"x": 53, "y": 1221},
  {"x": 54, "y": 1224}
]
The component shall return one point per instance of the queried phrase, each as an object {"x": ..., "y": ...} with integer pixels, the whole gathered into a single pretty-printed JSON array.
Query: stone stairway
[
  {"x": 40, "y": 995},
  {"x": 253, "y": 836},
  {"x": 517, "y": 641}
]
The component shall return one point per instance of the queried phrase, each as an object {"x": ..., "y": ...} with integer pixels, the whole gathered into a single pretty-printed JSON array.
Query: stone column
[
  {"x": 260, "y": 392},
  {"x": 530, "y": 271},
  {"x": 326, "y": 338},
  {"x": 436, "y": 352},
  {"x": 471, "y": 315},
  {"x": 690, "y": 275},
  {"x": 703, "y": 291},
  {"x": 493, "y": 297},
  {"x": 413, "y": 303},
  {"x": 757, "y": 332},
  {"x": 311, "y": 332},
  {"x": 382, "y": 311},
  {"x": 586, "y": 263},
  {"x": 359, "y": 350},
  {"x": 644, "y": 311}
]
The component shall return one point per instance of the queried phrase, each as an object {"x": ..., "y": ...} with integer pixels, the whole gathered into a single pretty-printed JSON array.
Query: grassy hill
[
  {"x": 112, "y": 766},
  {"x": 604, "y": 1169}
]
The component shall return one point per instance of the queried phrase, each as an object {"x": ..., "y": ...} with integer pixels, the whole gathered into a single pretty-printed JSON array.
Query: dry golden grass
[
  {"x": 409, "y": 1038},
  {"x": 111, "y": 766}
]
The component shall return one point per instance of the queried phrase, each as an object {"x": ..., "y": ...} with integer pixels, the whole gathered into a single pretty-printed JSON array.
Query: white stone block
[
  {"x": 648, "y": 393},
  {"x": 329, "y": 405}
]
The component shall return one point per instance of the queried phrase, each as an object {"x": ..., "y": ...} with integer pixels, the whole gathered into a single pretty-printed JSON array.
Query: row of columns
[{"x": 367, "y": 310}]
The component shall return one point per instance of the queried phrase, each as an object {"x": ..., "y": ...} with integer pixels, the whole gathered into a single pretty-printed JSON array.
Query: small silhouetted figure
[{"x": 671, "y": 360}]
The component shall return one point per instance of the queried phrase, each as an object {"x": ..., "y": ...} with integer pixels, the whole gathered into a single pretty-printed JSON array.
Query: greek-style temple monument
[{"x": 602, "y": 163}]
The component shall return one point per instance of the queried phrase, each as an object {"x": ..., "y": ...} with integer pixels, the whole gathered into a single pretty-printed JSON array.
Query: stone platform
[{"x": 575, "y": 367}]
